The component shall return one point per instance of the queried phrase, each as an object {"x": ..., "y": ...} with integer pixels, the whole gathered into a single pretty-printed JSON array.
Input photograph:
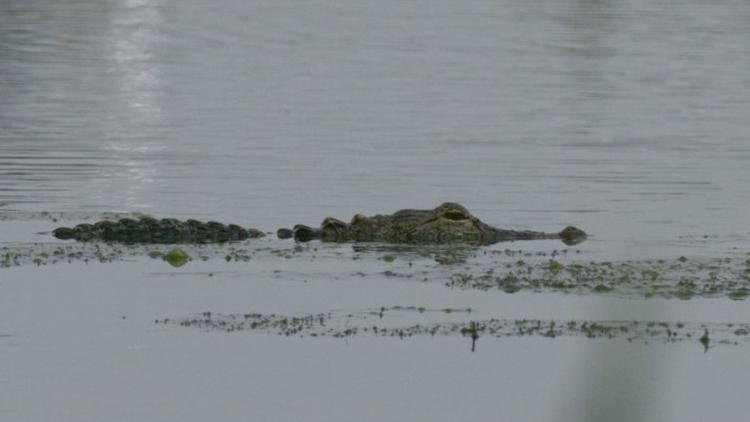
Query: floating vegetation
[
  {"x": 685, "y": 293},
  {"x": 338, "y": 325},
  {"x": 601, "y": 288},
  {"x": 705, "y": 340},
  {"x": 739, "y": 294},
  {"x": 40, "y": 254},
  {"x": 554, "y": 267},
  {"x": 420, "y": 309},
  {"x": 50, "y": 253},
  {"x": 9, "y": 259},
  {"x": 681, "y": 278},
  {"x": 448, "y": 254},
  {"x": 473, "y": 332},
  {"x": 462, "y": 280},
  {"x": 507, "y": 271},
  {"x": 176, "y": 257}
]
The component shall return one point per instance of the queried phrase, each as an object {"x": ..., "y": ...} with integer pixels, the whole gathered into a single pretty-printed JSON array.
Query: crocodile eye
[
  {"x": 455, "y": 215},
  {"x": 358, "y": 218}
]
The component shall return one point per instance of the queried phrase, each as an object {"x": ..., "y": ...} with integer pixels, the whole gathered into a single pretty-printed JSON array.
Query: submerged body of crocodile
[
  {"x": 448, "y": 223},
  {"x": 151, "y": 230}
]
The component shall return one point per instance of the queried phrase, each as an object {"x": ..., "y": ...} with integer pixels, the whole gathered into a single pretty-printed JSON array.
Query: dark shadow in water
[{"x": 611, "y": 392}]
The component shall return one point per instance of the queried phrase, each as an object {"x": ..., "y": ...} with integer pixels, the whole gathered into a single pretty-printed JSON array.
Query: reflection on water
[
  {"x": 134, "y": 37},
  {"x": 79, "y": 122}
]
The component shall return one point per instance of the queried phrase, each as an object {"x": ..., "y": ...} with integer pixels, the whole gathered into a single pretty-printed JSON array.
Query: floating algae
[
  {"x": 370, "y": 322},
  {"x": 177, "y": 257},
  {"x": 705, "y": 340},
  {"x": 680, "y": 278},
  {"x": 40, "y": 254},
  {"x": 493, "y": 270},
  {"x": 739, "y": 294}
]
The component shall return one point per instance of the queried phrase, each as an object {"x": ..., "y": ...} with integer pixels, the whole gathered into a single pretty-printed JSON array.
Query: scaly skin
[
  {"x": 151, "y": 230},
  {"x": 448, "y": 223}
]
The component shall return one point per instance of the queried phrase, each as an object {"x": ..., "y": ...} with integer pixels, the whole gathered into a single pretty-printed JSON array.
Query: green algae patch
[
  {"x": 739, "y": 294},
  {"x": 705, "y": 340},
  {"x": 601, "y": 288},
  {"x": 177, "y": 257},
  {"x": 463, "y": 280},
  {"x": 510, "y": 288},
  {"x": 554, "y": 267},
  {"x": 685, "y": 293},
  {"x": 678, "y": 279},
  {"x": 508, "y": 284},
  {"x": 499, "y": 271}
]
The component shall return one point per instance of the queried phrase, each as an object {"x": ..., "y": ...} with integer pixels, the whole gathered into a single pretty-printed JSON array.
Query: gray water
[{"x": 628, "y": 119}]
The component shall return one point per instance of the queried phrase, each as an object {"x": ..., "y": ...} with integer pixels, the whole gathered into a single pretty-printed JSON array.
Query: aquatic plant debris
[
  {"x": 679, "y": 278},
  {"x": 370, "y": 322},
  {"x": 705, "y": 340},
  {"x": 176, "y": 257},
  {"x": 503, "y": 271}
]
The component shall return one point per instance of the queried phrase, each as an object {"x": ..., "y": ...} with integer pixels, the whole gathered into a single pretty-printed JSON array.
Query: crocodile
[
  {"x": 151, "y": 230},
  {"x": 448, "y": 223}
]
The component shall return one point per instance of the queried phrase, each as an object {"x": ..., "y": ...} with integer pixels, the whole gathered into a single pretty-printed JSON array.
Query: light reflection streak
[{"x": 134, "y": 39}]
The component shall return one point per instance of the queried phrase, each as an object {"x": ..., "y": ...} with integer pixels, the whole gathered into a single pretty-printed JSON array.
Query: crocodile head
[{"x": 450, "y": 222}]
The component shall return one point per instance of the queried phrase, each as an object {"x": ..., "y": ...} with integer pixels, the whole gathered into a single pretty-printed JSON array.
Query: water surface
[{"x": 627, "y": 119}]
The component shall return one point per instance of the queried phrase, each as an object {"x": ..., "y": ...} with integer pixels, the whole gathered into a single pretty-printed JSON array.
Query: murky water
[{"x": 627, "y": 119}]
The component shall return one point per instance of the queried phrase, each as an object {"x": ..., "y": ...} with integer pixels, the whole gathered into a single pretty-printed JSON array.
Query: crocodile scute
[{"x": 152, "y": 230}]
